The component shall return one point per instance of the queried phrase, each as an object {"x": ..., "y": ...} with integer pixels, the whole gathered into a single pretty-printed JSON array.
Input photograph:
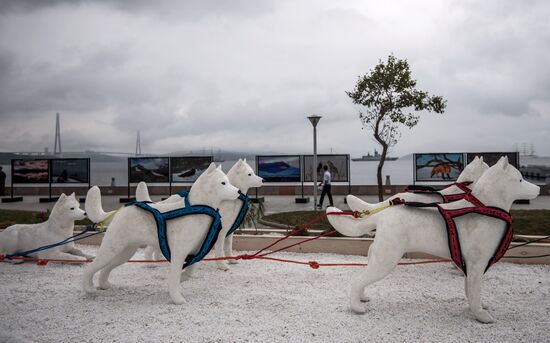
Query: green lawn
[{"x": 526, "y": 222}]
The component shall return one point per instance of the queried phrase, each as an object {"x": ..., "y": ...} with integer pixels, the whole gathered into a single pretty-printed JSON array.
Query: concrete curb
[{"x": 356, "y": 246}]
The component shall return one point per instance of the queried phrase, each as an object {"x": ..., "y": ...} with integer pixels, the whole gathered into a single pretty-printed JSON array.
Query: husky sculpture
[
  {"x": 401, "y": 229},
  {"x": 59, "y": 226},
  {"x": 133, "y": 227},
  {"x": 241, "y": 176}
]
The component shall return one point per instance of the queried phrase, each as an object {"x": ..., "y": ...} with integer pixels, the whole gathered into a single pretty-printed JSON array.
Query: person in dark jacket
[{"x": 327, "y": 179}]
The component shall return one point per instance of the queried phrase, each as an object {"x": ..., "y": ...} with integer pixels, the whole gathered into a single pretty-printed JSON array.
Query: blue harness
[
  {"x": 242, "y": 213},
  {"x": 240, "y": 217},
  {"x": 161, "y": 218}
]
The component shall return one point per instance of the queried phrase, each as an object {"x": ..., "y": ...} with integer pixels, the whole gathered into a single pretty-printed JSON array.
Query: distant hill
[
  {"x": 218, "y": 155},
  {"x": 6, "y": 157}
]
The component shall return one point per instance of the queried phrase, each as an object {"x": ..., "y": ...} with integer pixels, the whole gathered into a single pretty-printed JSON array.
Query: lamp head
[{"x": 314, "y": 119}]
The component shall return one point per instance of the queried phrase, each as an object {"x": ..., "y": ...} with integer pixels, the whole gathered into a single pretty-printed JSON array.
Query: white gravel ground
[{"x": 262, "y": 301}]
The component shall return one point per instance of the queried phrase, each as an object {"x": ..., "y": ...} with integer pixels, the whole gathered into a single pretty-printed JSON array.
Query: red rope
[
  {"x": 316, "y": 265},
  {"x": 302, "y": 228},
  {"x": 257, "y": 255},
  {"x": 312, "y": 264},
  {"x": 298, "y": 243}
]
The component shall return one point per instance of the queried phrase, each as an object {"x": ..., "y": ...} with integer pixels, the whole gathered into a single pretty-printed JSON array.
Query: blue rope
[{"x": 49, "y": 246}]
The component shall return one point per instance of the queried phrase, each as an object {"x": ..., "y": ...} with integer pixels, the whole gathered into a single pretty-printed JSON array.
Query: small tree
[
  {"x": 256, "y": 211},
  {"x": 389, "y": 96}
]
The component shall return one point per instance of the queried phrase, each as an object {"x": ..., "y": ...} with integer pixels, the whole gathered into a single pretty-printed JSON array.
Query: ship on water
[{"x": 375, "y": 157}]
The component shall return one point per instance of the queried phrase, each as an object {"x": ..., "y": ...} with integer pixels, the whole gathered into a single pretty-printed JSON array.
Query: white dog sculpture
[
  {"x": 402, "y": 229},
  {"x": 59, "y": 226},
  {"x": 133, "y": 227},
  {"x": 241, "y": 176},
  {"x": 471, "y": 173}
]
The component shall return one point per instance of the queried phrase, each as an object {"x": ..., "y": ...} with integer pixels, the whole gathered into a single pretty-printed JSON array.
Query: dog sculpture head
[
  {"x": 243, "y": 177},
  {"x": 473, "y": 171},
  {"x": 69, "y": 207},
  {"x": 502, "y": 184},
  {"x": 212, "y": 187}
]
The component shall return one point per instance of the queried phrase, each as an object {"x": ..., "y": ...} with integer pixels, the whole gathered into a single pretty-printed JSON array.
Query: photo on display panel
[
  {"x": 337, "y": 166},
  {"x": 188, "y": 168},
  {"x": 279, "y": 168},
  {"x": 438, "y": 166},
  {"x": 148, "y": 169},
  {"x": 30, "y": 171},
  {"x": 69, "y": 171}
]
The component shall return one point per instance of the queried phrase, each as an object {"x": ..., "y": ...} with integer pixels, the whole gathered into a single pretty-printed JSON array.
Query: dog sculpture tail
[
  {"x": 142, "y": 193},
  {"x": 350, "y": 226},
  {"x": 93, "y": 206},
  {"x": 356, "y": 204}
]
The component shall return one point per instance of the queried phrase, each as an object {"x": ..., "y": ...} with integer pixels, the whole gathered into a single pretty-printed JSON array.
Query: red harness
[
  {"x": 452, "y": 233},
  {"x": 463, "y": 186}
]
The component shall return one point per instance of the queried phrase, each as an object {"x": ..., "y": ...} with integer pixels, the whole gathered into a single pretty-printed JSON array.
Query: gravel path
[{"x": 262, "y": 301}]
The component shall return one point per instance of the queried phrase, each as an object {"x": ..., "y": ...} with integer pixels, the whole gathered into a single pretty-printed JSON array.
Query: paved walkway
[{"x": 273, "y": 204}]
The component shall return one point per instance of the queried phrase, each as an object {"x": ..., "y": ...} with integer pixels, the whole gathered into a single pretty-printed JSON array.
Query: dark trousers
[{"x": 326, "y": 190}]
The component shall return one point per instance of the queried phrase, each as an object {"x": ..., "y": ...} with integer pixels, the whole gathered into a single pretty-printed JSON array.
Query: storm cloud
[{"x": 243, "y": 75}]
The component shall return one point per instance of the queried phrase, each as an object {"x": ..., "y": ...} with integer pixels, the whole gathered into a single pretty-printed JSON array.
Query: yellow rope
[
  {"x": 375, "y": 210},
  {"x": 101, "y": 225}
]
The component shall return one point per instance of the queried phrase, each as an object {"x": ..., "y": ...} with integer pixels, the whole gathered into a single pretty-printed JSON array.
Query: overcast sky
[{"x": 243, "y": 75}]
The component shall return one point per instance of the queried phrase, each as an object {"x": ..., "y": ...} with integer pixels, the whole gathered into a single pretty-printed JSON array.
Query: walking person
[
  {"x": 2, "y": 181},
  {"x": 327, "y": 179}
]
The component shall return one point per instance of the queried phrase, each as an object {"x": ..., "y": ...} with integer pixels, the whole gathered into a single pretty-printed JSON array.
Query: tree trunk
[
  {"x": 384, "y": 152},
  {"x": 379, "y": 172}
]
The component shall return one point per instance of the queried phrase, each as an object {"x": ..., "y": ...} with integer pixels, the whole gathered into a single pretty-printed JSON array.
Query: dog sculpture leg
[
  {"x": 110, "y": 248},
  {"x": 220, "y": 243},
  {"x": 188, "y": 272},
  {"x": 381, "y": 262},
  {"x": 59, "y": 255},
  {"x": 483, "y": 305},
  {"x": 228, "y": 248},
  {"x": 157, "y": 255},
  {"x": 78, "y": 252},
  {"x": 122, "y": 257},
  {"x": 473, "y": 293},
  {"x": 148, "y": 253},
  {"x": 177, "y": 260},
  {"x": 153, "y": 253}
]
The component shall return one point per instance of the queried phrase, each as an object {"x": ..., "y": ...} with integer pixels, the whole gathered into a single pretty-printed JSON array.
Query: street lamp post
[{"x": 314, "y": 119}]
